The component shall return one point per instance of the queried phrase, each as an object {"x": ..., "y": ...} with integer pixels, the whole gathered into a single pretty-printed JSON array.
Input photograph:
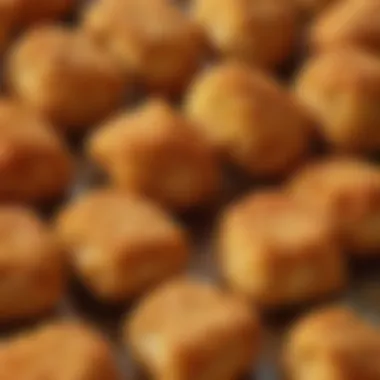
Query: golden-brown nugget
[
  {"x": 32, "y": 266},
  {"x": 188, "y": 330},
  {"x": 341, "y": 90},
  {"x": 261, "y": 32},
  {"x": 347, "y": 191},
  {"x": 332, "y": 344},
  {"x": 249, "y": 118},
  {"x": 151, "y": 38},
  {"x": 121, "y": 245},
  {"x": 348, "y": 22},
  {"x": 35, "y": 164},
  {"x": 59, "y": 351},
  {"x": 156, "y": 152},
  {"x": 275, "y": 251},
  {"x": 65, "y": 76}
]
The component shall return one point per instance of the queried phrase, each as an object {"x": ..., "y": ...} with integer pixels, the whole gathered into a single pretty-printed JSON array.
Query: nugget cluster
[{"x": 189, "y": 189}]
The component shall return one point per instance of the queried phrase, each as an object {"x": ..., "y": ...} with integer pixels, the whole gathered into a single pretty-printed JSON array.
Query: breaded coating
[
  {"x": 275, "y": 251},
  {"x": 155, "y": 151},
  {"x": 35, "y": 164},
  {"x": 249, "y": 118},
  {"x": 188, "y": 330},
  {"x": 260, "y": 32},
  {"x": 341, "y": 90},
  {"x": 346, "y": 23},
  {"x": 151, "y": 38},
  {"x": 65, "y": 76},
  {"x": 332, "y": 344},
  {"x": 347, "y": 191},
  {"x": 32, "y": 266},
  {"x": 59, "y": 351},
  {"x": 121, "y": 245}
]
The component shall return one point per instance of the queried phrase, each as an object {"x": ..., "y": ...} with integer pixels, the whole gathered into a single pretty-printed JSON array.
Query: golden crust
[
  {"x": 257, "y": 31},
  {"x": 65, "y": 76},
  {"x": 232, "y": 106},
  {"x": 275, "y": 251},
  {"x": 187, "y": 329},
  {"x": 35, "y": 165},
  {"x": 151, "y": 38},
  {"x": 341, "y": 90},
  {"x": 332, "y": 344},
  {"x": 156, "y": 152},
  {"x": 32, "y": 266},
  {"x": 347, "y": 191},
  {"x": 61, "y": 350},
  {"x": 348, "y": 22},
  {"x": 121, "y": 245}
]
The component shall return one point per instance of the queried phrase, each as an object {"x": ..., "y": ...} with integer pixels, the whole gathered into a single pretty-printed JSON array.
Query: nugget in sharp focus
[
  {"x": 35, "y": 165},
  {"x": 333, "y": 344},
  {"x": 31, "y": 265},
  {"x": 276, "y": 252},
  {"x": 151, "y": 38},
  {"x": 348, "y": 22},
  {"x": 59, "y": 351},
  {"x": 341, "y": 89},
  {"x": 249, "y": 118},
  {"x": 347, "y": 191},
  {"x": 189, "y": 330},
  {"x": 257, "y": 31},
  {"x": 156, "y": 152},
  {"x": 65, "y": 76},
  {"x": 121, "y": 245}
]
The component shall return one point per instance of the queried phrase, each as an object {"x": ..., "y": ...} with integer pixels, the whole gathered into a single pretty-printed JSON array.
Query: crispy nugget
[
  {"x": 332, "y": 344},
  {"x": 341, "y": 90},
  {"x": 156, "y": 152},
  {"x": 121, "y": 245},
  {"x": 249, "y": 118},
  {"x": 275, "y": 251},
  {"x": 189, "y": 330},
  {"x": 32, "y": 266},
  {"x": 35, "y": 164},
  {"x": 151, "y": 38},
  {"x": 347, "y": 191},
  {"x": 260, "y": 32},
  {"x": 59, "y": 351},
  {"x": 65, "y": 76}
]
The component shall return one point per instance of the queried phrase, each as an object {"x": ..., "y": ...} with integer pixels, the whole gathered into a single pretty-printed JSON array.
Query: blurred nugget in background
[
  {"x": 332, "y": 344},
  {"x": 66, "y": 77},
  {"x": 275, "y": 251},
  {"x": 151, "y": 38},
  {"x": 121, "y": 245},
  {"x": 258, "y": 32},
  {"x": 347, "y": 192},
  {"x": 155, "y": 151},
  {"x": 249, "y": 119},
  {"x": 60, "y": 351},
  {"x": 188, "y": 329},
  {"x": 341, "y": 91},
  {"x": 35, "y": 163},
  {"x": 32, "y": 266}
]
